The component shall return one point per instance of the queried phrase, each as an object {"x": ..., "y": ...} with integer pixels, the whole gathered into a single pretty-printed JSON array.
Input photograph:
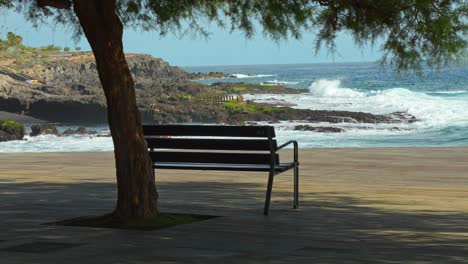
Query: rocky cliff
[{"x": 69, "y": 91}]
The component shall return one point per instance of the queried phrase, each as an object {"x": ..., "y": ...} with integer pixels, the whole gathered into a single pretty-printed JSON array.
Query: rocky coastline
[
  {"x": 12, "y": 130},
  {"x": 165, "y": 94}
]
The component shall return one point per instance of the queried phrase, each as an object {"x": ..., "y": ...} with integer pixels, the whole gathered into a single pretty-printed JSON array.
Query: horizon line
[{"x": 275, "y": 64}]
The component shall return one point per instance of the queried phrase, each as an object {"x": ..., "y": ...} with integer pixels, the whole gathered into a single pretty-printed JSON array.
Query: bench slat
[
  {"x": 214, "y": 131},
  {"x": 222, "y": 166},
  {"x": 210, "y": 144},
  {"x": 211, "y": 157}
]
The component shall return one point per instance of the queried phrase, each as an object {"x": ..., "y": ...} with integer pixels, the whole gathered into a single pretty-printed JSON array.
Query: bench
[{"x": 226, "y": 148}]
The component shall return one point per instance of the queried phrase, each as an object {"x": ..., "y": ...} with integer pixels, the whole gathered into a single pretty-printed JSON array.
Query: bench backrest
[{"x": 212, "y": 144}]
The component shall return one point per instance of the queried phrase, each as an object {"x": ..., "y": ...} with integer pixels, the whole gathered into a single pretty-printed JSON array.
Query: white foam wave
[
  {"x": 50, "y": 143},
  {"x": 242, "y": 75},
  {"x": 448, "y": 92},
  {"x": 433, "y": 111},
  {"x": 332, "y": 88},
  {"x": 276, "y": 82}
]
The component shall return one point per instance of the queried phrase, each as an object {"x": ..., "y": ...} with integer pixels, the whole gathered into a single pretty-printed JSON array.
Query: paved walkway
[{"x": 357, "y": 206}]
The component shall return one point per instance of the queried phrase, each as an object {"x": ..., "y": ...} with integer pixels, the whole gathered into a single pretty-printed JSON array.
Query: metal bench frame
[{"x": 161, "y": 137}]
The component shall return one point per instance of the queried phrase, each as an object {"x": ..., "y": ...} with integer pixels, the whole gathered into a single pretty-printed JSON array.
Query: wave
[
  {"x": 332, "y": 88},
  {"x": 433, "y": 111},
  {"x": 50, "y": 143},
  {"x": 447, "y": 92},
  {"x": 276, "y": 82},
  {"x": 242, "y": 75}
]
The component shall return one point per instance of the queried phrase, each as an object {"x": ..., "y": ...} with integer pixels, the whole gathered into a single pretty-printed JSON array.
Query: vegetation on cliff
[
  {"x": 249, "y": 107},
  {"x": 255, "y": 88}
]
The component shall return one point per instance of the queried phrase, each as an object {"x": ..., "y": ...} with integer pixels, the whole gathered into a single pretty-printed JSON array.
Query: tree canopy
[{"x": 413, "y": 32}]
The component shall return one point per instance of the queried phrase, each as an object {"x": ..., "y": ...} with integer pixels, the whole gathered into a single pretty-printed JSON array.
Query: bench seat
[{"x": 282, "y": 167}]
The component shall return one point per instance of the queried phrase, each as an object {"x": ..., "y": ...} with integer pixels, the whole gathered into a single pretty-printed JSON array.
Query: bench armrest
[{"x": 296, "y": 151}]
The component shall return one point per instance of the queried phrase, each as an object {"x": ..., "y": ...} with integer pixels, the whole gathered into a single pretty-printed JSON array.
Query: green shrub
[
  {"x": 238, "y": 89},
  {"x": 253, "y": 108},
  {"x": 234, "y": 106},
  {"x": 11, "y": 126},
  {"x": 51, "y": 48},
  {"x": 185, "y": 97}
]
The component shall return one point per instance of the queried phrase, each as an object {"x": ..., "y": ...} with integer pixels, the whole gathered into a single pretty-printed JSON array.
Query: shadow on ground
[{"x": 328, "y": 227}]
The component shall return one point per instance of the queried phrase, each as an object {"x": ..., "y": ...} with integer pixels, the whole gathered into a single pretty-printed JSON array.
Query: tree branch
[{"x": 59, "y": 4}]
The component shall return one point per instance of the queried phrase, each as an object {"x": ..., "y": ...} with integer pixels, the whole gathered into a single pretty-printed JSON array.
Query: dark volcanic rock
[
  {"x": 104, "y": 135},
  {"x": 317, "y": 116},
  {"x": 209, "y": 75},
  {"x": 78, "y": 131},
  {"x": 45, "y": 129},
  {"x": 165, "y": 112},
  {"x": 10, "y": 104},
  {"x": 320, "y": 129},
  {"x": 6, "y": 136},
  {"x": 73, "y": 92},
  {"x": 11, "y": 130},
  {"x": 345, "y": 117},
  {"x": 149, "y": 67},
  {"x": 177, "y": 112},
  {"x": 255, "y": 88},
  {"x": 403, "y": 117},
  {"x": 68, "y": 110}
]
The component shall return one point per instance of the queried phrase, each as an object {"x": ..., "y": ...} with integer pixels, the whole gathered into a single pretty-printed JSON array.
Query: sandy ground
[{"x": 433, "y": 179}]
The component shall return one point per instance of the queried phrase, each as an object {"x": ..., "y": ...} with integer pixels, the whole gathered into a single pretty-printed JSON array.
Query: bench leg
[
  {"x": 296, "y": 187},
  {"x": 268, "y": 193}
]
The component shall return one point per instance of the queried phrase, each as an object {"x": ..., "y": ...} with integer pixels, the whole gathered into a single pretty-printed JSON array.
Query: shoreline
[{"x": 285, "y": 150}]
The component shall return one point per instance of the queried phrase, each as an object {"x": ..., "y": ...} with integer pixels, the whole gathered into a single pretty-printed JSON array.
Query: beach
[{"x": 433, "y": 179}]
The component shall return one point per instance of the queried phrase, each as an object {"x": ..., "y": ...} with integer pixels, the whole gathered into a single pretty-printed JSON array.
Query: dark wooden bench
[{"x": 227, "y": 148}]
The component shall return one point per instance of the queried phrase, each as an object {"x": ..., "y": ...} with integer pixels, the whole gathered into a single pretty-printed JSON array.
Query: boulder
[
  {"x": 403, "y": 117},
  {"x": 78, "y": 131},
  {"x": 11, "y": 130},
  {"x": 104, "y": 135},
  {"x": 319, "y": 129},
  {"x": 46, "y": 129}
]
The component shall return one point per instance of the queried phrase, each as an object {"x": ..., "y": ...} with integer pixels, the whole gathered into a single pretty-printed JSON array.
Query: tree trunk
[{"x": 137, "y": 195}]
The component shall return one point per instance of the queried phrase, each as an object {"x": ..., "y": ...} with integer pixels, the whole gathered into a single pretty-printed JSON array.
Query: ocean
[{"x": 439, "y": 100}]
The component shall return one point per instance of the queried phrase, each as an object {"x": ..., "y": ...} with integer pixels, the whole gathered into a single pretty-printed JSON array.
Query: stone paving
[{"x": 412, "y": 209}]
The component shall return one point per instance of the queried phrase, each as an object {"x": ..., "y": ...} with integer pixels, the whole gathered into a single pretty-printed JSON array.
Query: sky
[{"x": 220, "y": 48}]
